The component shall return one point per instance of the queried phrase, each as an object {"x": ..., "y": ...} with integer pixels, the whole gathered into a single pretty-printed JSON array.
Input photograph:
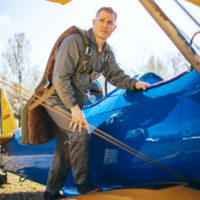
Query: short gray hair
[{"x": 109, "y": 10}]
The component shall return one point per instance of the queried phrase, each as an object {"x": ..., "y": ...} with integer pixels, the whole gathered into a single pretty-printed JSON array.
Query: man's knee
[
  {"x": 77, "y": 136},
  {"x": 84, "y": 135}
]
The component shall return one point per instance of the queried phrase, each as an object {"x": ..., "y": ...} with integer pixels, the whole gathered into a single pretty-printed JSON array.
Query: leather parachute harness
[
  {"x": 34, "y": 116},
  {"x": 45, "y": 88},
  {"x": 102, "y": 134}
]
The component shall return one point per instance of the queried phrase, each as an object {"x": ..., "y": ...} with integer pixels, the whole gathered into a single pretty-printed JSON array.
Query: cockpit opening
[{"x": 95, "y": 93}]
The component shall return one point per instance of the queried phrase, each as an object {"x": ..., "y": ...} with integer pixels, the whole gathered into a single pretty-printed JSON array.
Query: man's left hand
[
  {"x": 78, "y": 119},
  {"x": 141, "y": 85}
]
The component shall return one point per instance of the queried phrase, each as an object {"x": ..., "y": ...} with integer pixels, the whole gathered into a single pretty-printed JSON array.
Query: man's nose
[{"x": 105, "y": 24}]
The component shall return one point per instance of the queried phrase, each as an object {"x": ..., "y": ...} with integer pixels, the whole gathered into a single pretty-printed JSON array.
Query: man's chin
[{"x": 104, "y": 36}]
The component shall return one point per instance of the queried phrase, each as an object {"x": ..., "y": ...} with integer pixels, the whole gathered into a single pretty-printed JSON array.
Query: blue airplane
[{"x": 138, "y": 138}]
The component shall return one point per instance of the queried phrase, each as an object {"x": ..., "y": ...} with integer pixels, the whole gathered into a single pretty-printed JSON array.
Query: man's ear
[
  {"x": 114, "y": 28},
  {"x": 93, "y": 21}
]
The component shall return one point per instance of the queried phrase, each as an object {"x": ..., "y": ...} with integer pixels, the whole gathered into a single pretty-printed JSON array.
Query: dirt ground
[
  {"x": 15, "y": 190},
  {"x": 28, "y": 190}
]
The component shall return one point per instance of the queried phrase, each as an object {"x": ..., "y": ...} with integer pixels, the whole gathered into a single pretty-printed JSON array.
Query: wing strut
[
  {"x": 172, "y": 32},
  {"x": 181, "y": 6}
]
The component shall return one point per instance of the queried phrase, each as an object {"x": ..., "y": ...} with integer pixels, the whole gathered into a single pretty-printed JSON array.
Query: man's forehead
[{"x": 104, "y": 14}]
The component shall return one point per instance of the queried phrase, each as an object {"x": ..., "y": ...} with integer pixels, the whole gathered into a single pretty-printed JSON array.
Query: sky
[{"x": 135, "y": 39}]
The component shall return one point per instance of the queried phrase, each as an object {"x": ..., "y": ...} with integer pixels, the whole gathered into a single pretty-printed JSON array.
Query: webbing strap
[
  {"x": 48, "y": 93},
  {"x": 87, "y": 54},
  {"x": 84, "y": 37}
]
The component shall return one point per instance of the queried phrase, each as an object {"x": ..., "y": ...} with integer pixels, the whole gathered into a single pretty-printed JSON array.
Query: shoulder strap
[
  {"x": 38, "y": 100},
  {"x": 84, "y": 36},
  {"x": 48, "y": 74},
  {"x": 51, "y": 62},
  {"x": 87, "y": 53}
]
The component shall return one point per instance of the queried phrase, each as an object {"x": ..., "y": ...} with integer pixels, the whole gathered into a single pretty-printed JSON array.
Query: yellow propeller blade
[{"x": 8, "y": 121}]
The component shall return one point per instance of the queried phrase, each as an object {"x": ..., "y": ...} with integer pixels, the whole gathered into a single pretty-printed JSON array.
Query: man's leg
[
  {"x": 78, "y": 152},
  {"x": 79, "y": 158},
  {"x": 60, "y": 166}
]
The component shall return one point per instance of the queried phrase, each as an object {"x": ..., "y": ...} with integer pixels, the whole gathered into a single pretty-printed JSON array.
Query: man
[{"x": 73, "y": 140}]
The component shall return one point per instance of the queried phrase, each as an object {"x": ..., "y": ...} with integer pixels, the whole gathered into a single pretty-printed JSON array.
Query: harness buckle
[
  {"x": 88, "y": 51},
  {"x": 46, "y": 84},
  {"x": 108, "y": 57}
]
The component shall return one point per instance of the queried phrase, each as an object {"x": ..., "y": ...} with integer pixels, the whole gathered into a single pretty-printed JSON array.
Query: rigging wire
[
  {"x": 191, "y": 41},
  {"x": 195, "y": 21},
  {"x": 181, "y": 6},
  {"x": 18, "y": 88}
]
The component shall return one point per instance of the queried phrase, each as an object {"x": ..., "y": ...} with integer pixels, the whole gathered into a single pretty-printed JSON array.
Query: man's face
[{"x": 104, "y": 25}]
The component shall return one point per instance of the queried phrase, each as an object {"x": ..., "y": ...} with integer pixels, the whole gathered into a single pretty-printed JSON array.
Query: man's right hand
[{"x": 78, "y": 119}]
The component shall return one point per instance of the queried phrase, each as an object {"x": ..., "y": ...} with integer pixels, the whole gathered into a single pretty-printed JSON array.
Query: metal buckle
[
  {"x": 95, "y": 75},
  {"x": 46, "y": 84},
  {"x": 108, "y": 57},
  {"x": 88, "y": 51}
]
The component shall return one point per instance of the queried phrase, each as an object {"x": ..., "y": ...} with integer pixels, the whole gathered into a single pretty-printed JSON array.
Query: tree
[
  {"x": 175, "y": 64},
  {"x": 16, "y": 67},
  {"x": 16, "y": 56},
  {"x": 156, "y": 66},
  {"x": 151, "y": 64}
]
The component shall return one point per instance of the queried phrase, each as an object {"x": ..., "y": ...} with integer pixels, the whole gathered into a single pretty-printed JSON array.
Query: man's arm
[
  {"x": 116, "y": 76},
  {"x": 66, "y": 61}
]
